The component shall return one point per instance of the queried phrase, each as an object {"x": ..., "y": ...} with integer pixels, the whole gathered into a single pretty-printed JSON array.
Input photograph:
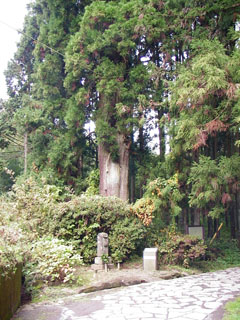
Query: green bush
[
  {"x": 93, "y": 181},
  {"x": 42, "y": 210},
  {"x": 51, "y": 260},
  {"x": 126, "y": 237},
  {"x": 82, "y": 218},
  {"x": 11, "y": 239},
  {"x": 180, "y": 249},
  {"x": 32, "y": 204}
]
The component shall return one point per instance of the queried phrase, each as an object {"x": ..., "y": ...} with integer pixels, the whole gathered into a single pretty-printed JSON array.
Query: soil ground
[{"x": 90, "y": 281}]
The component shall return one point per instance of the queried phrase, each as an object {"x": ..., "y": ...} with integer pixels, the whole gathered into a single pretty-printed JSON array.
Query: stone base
[
  {"x": 98, "y": 260},
  {"x": 97, "y": 267},
  {"x": 101, "y": 267}
]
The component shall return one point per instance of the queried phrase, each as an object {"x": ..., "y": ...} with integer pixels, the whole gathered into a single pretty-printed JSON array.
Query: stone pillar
[
  {"x": 150, "y": 259},
  {"x": 102, "y": 244},
  {"x": 102, "y": 249}
]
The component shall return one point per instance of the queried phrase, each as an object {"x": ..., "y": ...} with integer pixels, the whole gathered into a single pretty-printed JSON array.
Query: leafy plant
[
  {"x": 118, "y": 256},
  {"x": 105, "y": 258},
  {"x": 180, "y": 249},
  {"x": 82, "y": 218},
  {"x": 232, "y": 310},
  {"x": 161, "y": 199},
  {"x": 93, "y": 183},
  {"x": 11, "y": 242},
  {"x": 10, "y": 249},
  {"x": 214, "y": 184},
  {"x": 51, "y": 260}
]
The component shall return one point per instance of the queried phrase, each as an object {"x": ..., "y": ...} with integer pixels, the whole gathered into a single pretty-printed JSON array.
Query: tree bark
[
  {"x": 114, "y": 175},
  {"x": 132, "y": 179}
]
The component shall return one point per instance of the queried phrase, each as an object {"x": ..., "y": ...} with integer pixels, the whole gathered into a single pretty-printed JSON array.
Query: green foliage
[
  {"x": 42, "y": 210},
  {"x": 11, "y": 239},
  {"x": 50, "y": 260},
  {"x": 11, "y": 251},
  {"x": 214, "y": 183},
  {"x": 166, "y": 193},
  {"x": 223, "y": 253},
  {"x": 204, "y": 96},
  {"x": 126, "y": 238},
  {"x": 232, "y": 310},
  {"x": 161, "y": 200},
  {"x": 206, "y": 187},
  {"x": 100, "y": 62},
  {"x": 82, "y": 218},
  {"x": 226, "y": 254},
  {"x": 143, "y": 209},
  {"x": 34, "y": 203},
  {"x": 105, "y": 258},
  {"x": 179, "y": 249},
  {"x": 93, "y": 183}
]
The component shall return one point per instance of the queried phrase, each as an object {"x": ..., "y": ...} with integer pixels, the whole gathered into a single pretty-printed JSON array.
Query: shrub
[
  {"x": 160, "y": 203},
  {"x": 44, "y": 210},
  {"x": 10, "y": 256},
  {"x": 93, "y": 183},
  {"x": 51, "y": 260},
  {"x": 82, "y": 218},
  {"x": 180, "y": 249},
  {"x": 11, "y": 239},
  {"x": 126, "y": 237},
  {"x": 32, "y": 205}
]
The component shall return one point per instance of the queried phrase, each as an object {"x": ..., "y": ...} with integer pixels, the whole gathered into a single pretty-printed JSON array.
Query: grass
[
  {"x": 56, "y": 291},
  {"x": 232, "y": 309}
]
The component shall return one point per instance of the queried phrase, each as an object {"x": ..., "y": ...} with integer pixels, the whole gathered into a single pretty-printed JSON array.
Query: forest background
[{"x": 138, "y": 100}]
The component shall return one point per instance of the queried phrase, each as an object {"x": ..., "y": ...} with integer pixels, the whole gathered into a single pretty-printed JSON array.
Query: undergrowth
[{"x": 232, "y": 310}]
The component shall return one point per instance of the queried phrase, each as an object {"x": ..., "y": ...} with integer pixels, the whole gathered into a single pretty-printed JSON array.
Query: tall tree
[
  {"x": 107, "y": 76},
  {"x": 35, "y": 80}
]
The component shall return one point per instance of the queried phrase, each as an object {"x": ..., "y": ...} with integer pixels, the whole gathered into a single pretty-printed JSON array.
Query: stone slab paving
[{"x": 198, "y": 297}]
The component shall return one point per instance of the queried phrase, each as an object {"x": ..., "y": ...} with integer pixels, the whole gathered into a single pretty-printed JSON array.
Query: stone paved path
[{"x": 195, "y": 297}]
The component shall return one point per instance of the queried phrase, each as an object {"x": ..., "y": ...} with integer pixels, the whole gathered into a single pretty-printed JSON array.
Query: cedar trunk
[{"x": 114, "y": 175}]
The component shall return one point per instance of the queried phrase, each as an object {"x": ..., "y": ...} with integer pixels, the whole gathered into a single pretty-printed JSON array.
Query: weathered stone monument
[
  {"x": 102, "y": 247},
  {"x": 102, "y": 251},
  {"x": 150, "y": 259}
]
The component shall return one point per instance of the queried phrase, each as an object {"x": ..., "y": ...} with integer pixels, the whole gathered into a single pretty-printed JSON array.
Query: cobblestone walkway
[{"x": 196, "y": 297}]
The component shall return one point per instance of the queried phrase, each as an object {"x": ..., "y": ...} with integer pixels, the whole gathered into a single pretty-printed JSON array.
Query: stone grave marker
[
  {"x": 102, "y": 250},
  {"x": 196, "y": 231}
]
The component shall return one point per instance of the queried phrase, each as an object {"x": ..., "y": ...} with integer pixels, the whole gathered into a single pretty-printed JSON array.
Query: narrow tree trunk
[
  {"x": 114, "y": 175},
  {"x": 132, "y": 180}
]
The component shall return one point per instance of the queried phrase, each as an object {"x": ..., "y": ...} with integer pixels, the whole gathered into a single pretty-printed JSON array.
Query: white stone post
[{"x": 150, "y": 259}]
